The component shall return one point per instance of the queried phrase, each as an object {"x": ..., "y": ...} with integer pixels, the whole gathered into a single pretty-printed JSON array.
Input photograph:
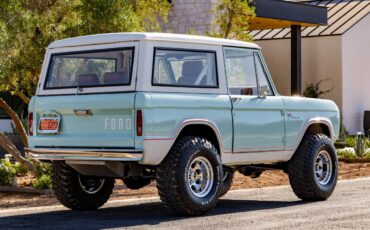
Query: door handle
[
  {"x": 82, "y": 112},
  {"x": 235, "y": 99}
]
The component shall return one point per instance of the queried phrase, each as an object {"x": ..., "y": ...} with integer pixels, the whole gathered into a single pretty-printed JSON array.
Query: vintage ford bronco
[{"x": 186, "y": 111}]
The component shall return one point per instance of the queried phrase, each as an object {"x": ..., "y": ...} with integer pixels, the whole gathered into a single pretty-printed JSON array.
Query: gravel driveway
[{"x": 266, "y": 208}]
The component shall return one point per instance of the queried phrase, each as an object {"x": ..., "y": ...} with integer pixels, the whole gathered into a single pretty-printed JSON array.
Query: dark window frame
[
  {"x": 51, "y": 61},
  {"x": 217, "y": 86}
]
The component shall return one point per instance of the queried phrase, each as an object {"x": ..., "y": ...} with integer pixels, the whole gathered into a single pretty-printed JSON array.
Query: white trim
[
  {"x": 232, "y": 159},
  {"x": 87, "y": 90},
  {"x": 144, "y": 82},
  {"x": 156, "y": 148},
  {"x": 111, "y": 38}
]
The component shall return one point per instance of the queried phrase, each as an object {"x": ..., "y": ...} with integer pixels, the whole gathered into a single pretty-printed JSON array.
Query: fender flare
[
  {"x": 316, "y": 120},
  {"x": 186, "y": 122}
]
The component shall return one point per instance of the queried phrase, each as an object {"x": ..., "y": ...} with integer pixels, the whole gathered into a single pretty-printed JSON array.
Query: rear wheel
[
  {"x": 189, "y": 179},
  {"x": 79, "y": 192},
  {"x": 313, "y": 170}
]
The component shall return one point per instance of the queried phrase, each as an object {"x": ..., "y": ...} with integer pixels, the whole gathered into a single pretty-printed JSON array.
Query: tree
[
  {"x": 231, "y": 19},
  {"x": 28, "y": 26}
]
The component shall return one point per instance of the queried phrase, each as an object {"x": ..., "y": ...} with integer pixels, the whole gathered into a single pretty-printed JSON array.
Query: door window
[
  {"x": 240, "y": 71},
  {"x": 263, "y": 81}
]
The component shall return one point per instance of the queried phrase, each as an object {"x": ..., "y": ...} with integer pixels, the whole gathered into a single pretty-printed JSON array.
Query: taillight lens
[
  {"x": 139, "y": 123},
  {"x": 30, "y": 122}
]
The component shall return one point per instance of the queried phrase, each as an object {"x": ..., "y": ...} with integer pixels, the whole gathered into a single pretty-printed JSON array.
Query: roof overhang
[{"x": 272, "y": 14}]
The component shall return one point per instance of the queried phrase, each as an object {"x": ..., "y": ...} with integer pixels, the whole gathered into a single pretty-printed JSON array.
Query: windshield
[{"x": 90, "y": 69}]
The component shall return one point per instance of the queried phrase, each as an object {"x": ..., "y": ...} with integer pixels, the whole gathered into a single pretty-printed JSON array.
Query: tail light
[
  {"x": 139, "y": 123},
  {"x": 30, "y": 124}
]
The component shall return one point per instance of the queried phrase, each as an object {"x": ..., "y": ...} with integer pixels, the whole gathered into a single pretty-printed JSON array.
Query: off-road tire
[
  {"x": 301, "y": 168},
  {"x": 227, "y": 182},
  {"x": 136, "y": 182},
  {"x": 172, "y": 181},
  {"x": 70, "y": 193}
]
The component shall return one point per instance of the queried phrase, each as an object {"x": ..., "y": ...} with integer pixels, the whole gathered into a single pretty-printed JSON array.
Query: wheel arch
[
  {"x": 317, "y": 125},
  {"x": 200, "y": 127}
]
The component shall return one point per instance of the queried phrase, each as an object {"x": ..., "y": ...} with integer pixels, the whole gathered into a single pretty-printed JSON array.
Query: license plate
[{"x": 48, "y": 125}]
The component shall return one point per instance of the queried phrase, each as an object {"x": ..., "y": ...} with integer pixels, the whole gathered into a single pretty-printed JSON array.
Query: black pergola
[{"x": 273, "y": 14}]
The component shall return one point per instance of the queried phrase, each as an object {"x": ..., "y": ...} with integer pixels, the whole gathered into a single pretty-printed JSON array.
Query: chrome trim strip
[{"x": 84, "y": 154}]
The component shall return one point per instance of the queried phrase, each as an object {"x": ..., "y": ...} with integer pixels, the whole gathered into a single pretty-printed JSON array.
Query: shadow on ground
[{"x": 151, "y": 214}]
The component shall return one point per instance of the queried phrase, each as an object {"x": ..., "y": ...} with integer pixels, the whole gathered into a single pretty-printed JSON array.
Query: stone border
[
  {"x": 25, "y": 190},
  {"x": 352, "y": 161},
  {"x": 49, "y": 191}
]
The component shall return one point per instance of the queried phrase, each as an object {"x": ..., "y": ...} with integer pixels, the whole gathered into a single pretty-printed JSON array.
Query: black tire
[
  {"x": 136, "y": 182},
  {"x": 302, "y": 174},
  {"x": 173, "y": 181},
  {"x": 69, "y": 192},
  {"x": 227, "y": 182}
]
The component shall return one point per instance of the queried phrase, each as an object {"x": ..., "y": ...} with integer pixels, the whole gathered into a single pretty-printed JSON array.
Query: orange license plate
[{"x": 49, "y": 125}]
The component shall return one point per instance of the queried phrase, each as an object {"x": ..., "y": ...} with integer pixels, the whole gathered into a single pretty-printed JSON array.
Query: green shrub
[
  {"x": 43, "y": 179},
  {"x": 42, "y": 182},
  {"x": 7, "y": 172},
  {"x": 20, "y": 170},
  {"x": 348, "y": 154},
  {"x": 43, "y": 169},
  {"x": 351, "y": 142}
]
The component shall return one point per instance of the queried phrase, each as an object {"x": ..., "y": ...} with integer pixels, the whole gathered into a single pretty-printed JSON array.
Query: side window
[
  {"x": 240, "y": 71},
  {"x": 263, "y": 81},
  {"x": 161, "y": 72},
  {"x": 186, "y": 68}
]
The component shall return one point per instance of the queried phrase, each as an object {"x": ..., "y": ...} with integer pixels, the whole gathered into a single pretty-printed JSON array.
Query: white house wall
[
  {"x": 321, "y": 59},
  {"x": 356, "y": 74}
]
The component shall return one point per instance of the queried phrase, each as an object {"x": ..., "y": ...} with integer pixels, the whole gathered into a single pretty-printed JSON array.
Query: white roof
[{"x": 123, "y": 37}]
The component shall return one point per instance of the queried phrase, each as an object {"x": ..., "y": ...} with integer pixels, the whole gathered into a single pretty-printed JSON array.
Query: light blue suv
[{"x": 186, "y": 111}]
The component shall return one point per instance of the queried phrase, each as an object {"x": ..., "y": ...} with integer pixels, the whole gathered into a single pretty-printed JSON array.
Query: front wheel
[
  {"x": 313, "y": 170},
  {"x": 79, "y": 192},
  {"x": 189, "y": 179}
]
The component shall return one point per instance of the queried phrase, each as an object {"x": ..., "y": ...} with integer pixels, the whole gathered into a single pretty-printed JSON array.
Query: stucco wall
[
  {"x": 356, "y": 74},
  {"x": 321, "y": 59},
  {"x": 189, "y": 16}
]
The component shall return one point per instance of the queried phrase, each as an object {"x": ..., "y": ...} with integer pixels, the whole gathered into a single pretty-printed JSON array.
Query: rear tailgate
[{"x": 94, "y": 120}]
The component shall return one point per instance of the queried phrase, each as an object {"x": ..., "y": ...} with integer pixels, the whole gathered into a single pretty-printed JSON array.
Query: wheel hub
[
  {"x": 90, "y": 185},
  {"x": 200, "y": 176},
  {"x": 323, "y": 167}
]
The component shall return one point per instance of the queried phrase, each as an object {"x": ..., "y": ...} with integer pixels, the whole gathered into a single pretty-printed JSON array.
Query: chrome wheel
[
  {"x": 323, "y": 167},
  {"x": 226, "y": 174},
  {"x": 89, "y": 184},
  {"x": 200, "y": 176}
]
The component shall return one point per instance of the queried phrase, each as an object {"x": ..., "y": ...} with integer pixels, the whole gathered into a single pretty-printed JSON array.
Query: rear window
[
  {"x": 90, "y": 69},
  {"x": 185, "y": 68}
]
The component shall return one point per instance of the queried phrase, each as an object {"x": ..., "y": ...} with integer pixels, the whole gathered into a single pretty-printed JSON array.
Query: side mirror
[{"x": 264, "y": 92}]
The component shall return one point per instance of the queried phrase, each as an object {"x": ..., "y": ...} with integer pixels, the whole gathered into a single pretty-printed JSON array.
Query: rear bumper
[{"x": 84, "y": 154}]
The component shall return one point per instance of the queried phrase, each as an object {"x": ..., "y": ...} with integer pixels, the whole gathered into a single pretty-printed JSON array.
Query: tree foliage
[
  {"x": 28, "y": 26},
  {"x": 232, "y": 19}
]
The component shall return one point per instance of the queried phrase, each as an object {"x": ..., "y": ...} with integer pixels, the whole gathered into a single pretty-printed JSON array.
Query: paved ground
[{"x": 267, "y": 208}]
